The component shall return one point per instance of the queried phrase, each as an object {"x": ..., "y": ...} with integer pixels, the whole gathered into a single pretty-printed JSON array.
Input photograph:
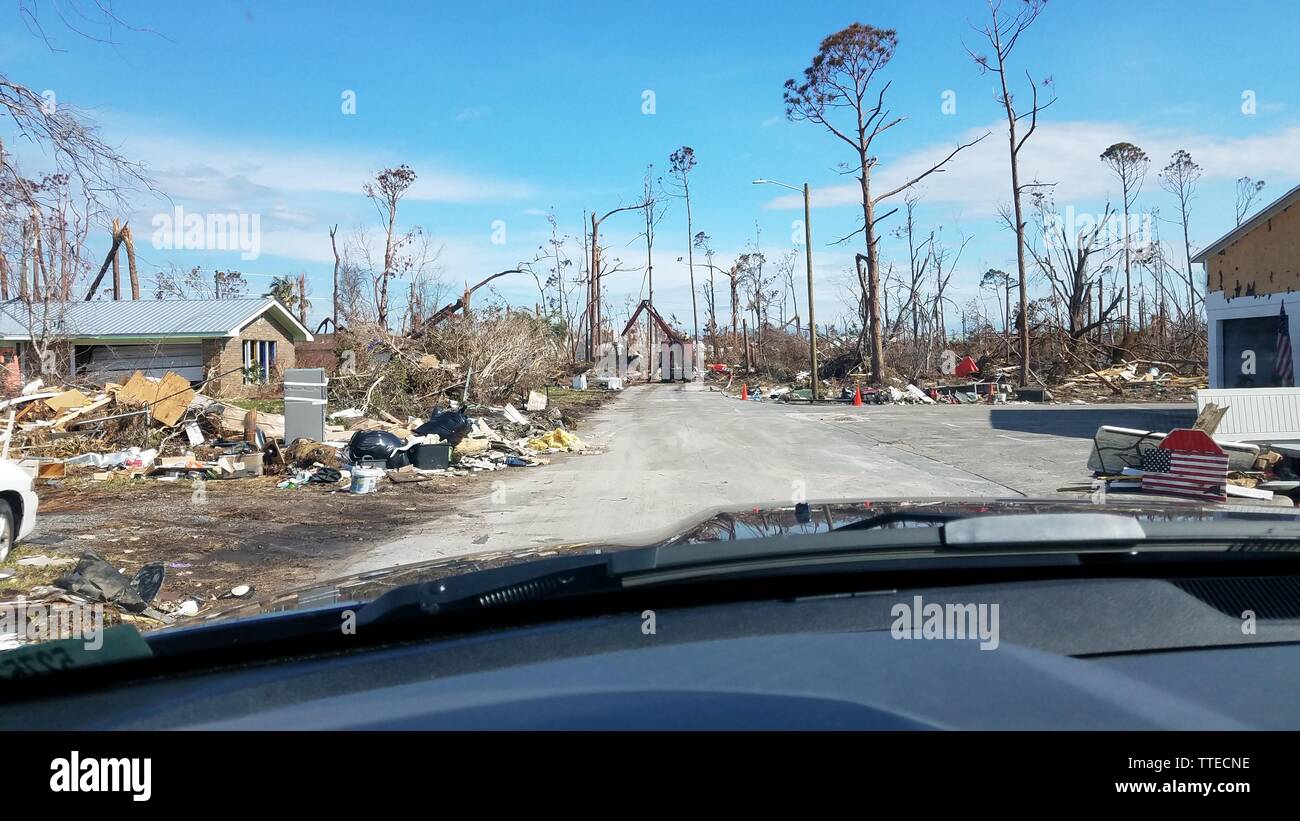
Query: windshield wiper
[
  {"x": 953, "y": 535},
  {"x": 543, "y": 579}
]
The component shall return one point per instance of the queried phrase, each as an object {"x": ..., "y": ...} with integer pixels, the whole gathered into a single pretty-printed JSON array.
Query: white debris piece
[
  {"x": 536, "y": 401},
  {"x": 45, "y": 561},
  {"x": 916, "y": 393},
  {"x": 512, "y": 413}
]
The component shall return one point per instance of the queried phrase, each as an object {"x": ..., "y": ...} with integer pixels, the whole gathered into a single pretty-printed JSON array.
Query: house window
[
  {"x": 259, "y": 360},
  {"x": 1250, "y": 352}
]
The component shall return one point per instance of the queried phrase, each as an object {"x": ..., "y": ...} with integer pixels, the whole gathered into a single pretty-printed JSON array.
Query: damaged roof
[
  {"x": 1265, "y": 214},
  {"x": 143, "y": 319}
]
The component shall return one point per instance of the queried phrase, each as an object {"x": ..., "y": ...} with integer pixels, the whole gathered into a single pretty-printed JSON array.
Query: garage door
[{"x": 116, "y": 363}]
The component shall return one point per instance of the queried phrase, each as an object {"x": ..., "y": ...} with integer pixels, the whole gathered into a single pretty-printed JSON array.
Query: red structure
[{"x": 676, "y": 352}]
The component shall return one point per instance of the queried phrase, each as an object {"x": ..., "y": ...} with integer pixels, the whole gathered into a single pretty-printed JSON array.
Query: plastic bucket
[{"x": 365, "y": 480}]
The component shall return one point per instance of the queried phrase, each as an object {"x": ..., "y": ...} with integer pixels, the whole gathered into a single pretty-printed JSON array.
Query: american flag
[
  {"x": 1283, "y": 370},
  {"x": 1187, "y": 463}
]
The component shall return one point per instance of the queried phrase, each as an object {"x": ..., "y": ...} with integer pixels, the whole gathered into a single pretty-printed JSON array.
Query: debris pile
[
  {"x": 1136, "y": 381},
  {"x": 163, "y": 429},
  {"x": 970, "y": 382},
  {"x": 1192, "y": 463}
]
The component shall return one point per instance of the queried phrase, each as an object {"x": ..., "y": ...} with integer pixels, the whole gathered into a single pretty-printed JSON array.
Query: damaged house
[
  {"x": 236, "y": 343},
  {"x": 1253, "y": 298}
]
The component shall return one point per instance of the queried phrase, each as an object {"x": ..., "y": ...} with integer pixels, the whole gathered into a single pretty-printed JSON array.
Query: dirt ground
[{"x": 213, "y": 536}]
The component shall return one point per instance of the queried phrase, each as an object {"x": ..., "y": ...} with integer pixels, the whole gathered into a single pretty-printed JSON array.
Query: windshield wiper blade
[{"x": 535, "y": 581}]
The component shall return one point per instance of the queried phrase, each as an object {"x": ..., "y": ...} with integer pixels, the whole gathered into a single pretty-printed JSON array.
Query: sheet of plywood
[
  {"x": 67, "y": 400},
  {"x": 166, "y": 398},
  {"x": 174, "y": 395}
]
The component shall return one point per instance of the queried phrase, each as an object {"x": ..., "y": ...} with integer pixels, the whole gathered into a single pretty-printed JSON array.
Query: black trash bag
[
  {"x": 372, "y": 444},
  {"x": 97, "y": 580},
  {"x": 148, "y": 581},
  {"x": 451, "y": 426}
]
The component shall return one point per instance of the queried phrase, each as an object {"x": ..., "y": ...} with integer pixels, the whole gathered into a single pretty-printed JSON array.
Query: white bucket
[{"x": 365, "y": 480}]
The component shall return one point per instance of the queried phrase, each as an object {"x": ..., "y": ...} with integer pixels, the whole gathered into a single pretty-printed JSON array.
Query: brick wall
[
  {"x": 321, "y": 353},
  {"x": 226, "y": 356}
]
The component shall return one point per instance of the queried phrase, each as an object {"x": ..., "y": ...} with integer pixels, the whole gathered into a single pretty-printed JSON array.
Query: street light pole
[{"x": 812, "y": 314}]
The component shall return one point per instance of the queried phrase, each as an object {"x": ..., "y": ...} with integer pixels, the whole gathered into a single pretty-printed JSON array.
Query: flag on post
[
  {"x": 1283, "y": 369},
  {"x": 1187, "y": 463}
]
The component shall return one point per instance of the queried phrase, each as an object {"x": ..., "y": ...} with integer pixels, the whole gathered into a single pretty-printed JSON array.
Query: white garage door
[{"x": 116, "y": 363}]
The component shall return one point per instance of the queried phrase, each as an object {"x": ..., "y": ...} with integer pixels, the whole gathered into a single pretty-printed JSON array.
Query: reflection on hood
[{"x": 726, "y": 526}]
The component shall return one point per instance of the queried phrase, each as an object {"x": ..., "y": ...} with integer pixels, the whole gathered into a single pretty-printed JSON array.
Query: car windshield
[{"x": 492, "y": 284}]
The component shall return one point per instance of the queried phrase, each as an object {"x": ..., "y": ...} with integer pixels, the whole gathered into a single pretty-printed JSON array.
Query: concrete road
[{"x": 674, "y": 451}]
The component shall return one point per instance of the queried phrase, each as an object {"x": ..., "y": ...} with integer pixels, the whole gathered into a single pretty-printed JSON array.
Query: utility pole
[{"x": 812, "y": 312}]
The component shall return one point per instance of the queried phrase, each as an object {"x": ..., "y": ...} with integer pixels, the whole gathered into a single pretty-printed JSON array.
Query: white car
[{"x": 17, "y": 506}]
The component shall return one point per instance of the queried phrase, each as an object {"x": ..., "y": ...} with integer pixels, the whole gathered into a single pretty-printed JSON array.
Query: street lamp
[{"x": 807, "y": 244}]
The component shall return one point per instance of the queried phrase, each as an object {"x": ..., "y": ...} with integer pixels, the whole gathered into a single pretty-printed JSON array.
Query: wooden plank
[{"x": 62, "y": 421}]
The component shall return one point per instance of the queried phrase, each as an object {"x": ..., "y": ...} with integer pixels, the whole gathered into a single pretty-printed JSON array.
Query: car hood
[{"x": 724, "y": 525}]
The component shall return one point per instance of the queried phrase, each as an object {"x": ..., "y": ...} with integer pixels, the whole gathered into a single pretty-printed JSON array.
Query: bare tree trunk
[
  {"x": 875, "y": 334},
  {"x": 388, "y": 266},
  {"x": 132, "y": 271},
  {"x": 1187, "y": 250},
  {"x": 334, "y": 315},
  {"x": 690, "y": 263},
  {"x": 23, "y": 261},
  {"x": 117, "y": 266},
  {"x": 1128, "y": 270}
]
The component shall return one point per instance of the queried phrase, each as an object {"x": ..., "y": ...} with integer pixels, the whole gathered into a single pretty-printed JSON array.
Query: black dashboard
[{"x": 1069, "y": 654}]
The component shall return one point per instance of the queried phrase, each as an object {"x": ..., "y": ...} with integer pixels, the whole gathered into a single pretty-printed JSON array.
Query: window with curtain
[{"x": 259, "y": 360}]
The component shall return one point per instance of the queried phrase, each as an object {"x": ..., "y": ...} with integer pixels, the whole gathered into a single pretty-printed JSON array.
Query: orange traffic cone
[
  {"x": 857, "y": 396},
  {"x": 744, "y": 392}
]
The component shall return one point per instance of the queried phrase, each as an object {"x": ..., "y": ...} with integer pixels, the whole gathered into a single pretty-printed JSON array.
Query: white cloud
[
  {"x": 221, "y": 173},
  {"x": 470, "y": 114},
  {"x": 1066, "y": 153}
]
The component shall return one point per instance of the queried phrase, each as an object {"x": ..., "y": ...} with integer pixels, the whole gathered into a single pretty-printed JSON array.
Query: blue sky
[{"x": 507, "y": 110}]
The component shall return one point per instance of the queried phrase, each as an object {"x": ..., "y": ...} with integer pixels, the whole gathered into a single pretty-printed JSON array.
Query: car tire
[{"x": 7, "y": 529}]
